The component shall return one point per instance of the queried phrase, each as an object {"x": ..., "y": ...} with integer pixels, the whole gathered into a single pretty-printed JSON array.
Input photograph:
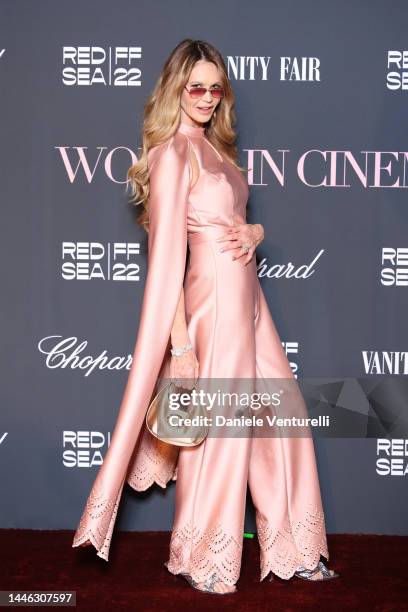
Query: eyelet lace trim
[
  {"x": 154, "y": 461},
  {"x": 295, "y": 543},
  {"x": 97, "y": 522},
  {"x": 200, "y": 553}
]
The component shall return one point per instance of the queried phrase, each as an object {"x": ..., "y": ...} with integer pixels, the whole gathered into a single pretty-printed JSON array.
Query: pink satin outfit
[{"x": 234, "y": 336}]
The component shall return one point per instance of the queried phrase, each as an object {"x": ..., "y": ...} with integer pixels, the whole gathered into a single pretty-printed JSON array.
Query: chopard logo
[
  {"x": 66, "y": 353},
  {"x": 288, "y": 270}
]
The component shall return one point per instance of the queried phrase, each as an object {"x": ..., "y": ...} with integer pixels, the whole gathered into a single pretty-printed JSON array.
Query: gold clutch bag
[{"x": 159, "y": 413}]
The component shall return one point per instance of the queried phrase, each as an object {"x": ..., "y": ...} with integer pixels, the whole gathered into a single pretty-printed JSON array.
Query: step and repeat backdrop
[{"x": 321, "y": 101}]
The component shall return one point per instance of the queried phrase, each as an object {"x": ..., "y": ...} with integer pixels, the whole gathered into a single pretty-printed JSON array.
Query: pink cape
[{"x": 167, "y": 251}]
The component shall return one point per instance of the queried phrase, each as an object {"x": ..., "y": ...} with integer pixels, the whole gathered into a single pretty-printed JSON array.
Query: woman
[{"x": 214, "y": 317}]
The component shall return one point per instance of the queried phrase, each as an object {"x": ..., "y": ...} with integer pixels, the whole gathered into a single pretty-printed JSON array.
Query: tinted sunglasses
[{"x": 199, "y": 92}]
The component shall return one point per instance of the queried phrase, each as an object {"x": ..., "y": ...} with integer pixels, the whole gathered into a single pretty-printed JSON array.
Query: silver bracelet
[{"x": 176, "y": 352}]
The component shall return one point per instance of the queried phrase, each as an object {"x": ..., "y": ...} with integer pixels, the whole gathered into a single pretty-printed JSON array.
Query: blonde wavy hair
[{"x": 162, "y": 116}]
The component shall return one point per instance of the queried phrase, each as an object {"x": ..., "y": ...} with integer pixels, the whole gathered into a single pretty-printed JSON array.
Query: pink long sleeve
[{"x": 167, "y": 249}]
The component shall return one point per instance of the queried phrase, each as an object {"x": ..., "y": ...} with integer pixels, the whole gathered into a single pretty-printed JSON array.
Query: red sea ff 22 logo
[{"x": 88, "y": 66}]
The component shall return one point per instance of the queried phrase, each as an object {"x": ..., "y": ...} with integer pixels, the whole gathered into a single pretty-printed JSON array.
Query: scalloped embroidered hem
[
  {"x": 90, "y": 536},
  {"x": 154, "y": 462},
  {"x": 296, "y": 543},
  {"x": 275, "y": 565},
  {"x": 139, "y": 483},
  {"x": 201, "y": 552},
  {"x": 98, "y": 520}
]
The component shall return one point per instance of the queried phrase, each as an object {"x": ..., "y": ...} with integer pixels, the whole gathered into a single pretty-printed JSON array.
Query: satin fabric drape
[
  {"x": 167, "y": 249},
  {"x": 234, "y": 337}
]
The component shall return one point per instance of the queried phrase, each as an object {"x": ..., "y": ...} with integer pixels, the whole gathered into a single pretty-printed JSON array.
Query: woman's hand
[
  {"x": 241, "y": 236},
  {"x": 184, "y": 369}
]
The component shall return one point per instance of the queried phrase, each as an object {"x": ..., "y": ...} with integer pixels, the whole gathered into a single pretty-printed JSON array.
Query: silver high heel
[
  {"x": 306, "y": 574},
  {"x": 208, "y": 585}
]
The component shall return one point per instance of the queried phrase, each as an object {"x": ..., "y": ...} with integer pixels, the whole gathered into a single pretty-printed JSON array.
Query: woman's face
[{"x": 198, "y": 111}]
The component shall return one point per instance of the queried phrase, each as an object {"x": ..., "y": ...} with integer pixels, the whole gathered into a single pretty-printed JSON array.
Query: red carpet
[{"x": 373, "y": 575}]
